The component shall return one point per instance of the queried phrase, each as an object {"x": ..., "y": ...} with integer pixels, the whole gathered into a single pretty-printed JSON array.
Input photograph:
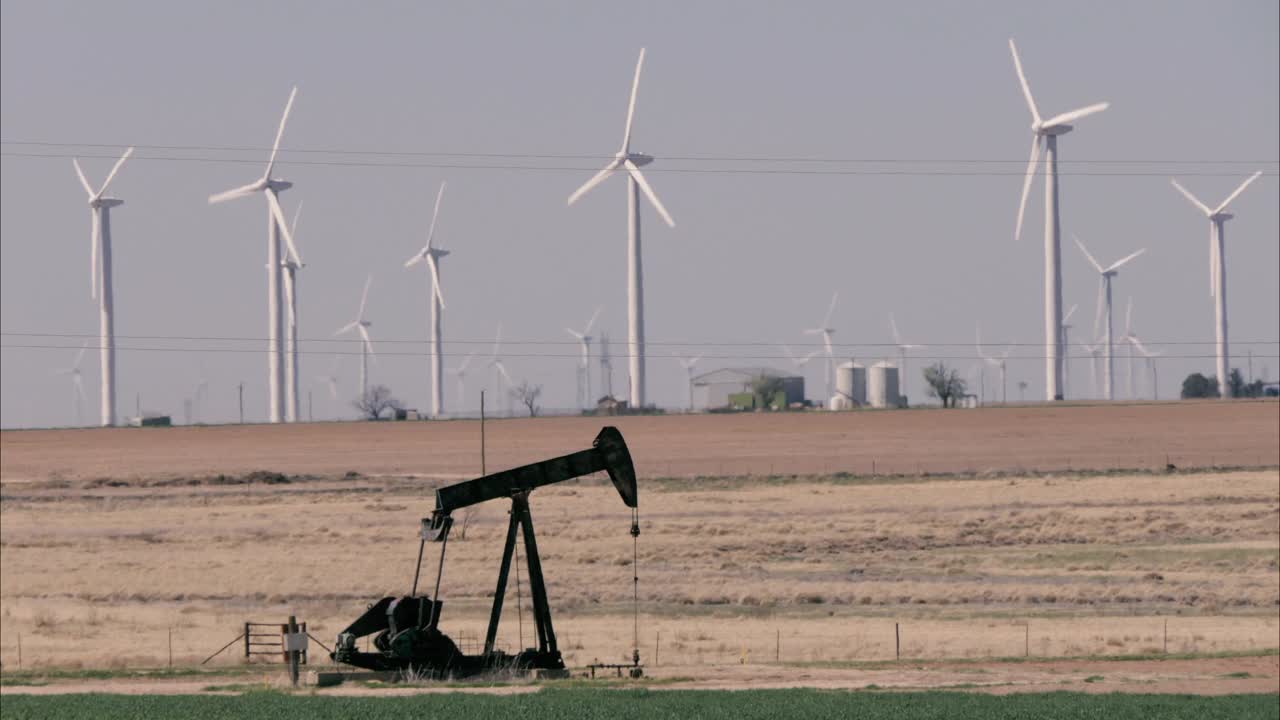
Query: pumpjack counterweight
[{"x": 405, "y": 630}]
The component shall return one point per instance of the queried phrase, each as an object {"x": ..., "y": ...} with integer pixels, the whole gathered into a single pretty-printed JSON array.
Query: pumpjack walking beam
[{"x": 608, "y": 454}]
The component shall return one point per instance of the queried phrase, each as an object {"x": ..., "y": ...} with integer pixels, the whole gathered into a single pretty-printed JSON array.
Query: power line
[
  {"x": 593, "y": 169},
  {"x": 578, "y": 343},
  {"x": 570, "y": 355},
  {"x": 596, "y": 156}
]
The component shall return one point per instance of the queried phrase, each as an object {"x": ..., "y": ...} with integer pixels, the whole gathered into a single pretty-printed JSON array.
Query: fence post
[
  {"x": 293, "y": 654},
  {"x": 246, "y": 641},
  {"x": 897, "y": 642}
]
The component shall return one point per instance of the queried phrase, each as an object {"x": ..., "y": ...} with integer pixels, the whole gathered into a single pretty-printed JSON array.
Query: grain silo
[
  {"x": 851, "y": 386},
  {"x": 882, "y": 385}
]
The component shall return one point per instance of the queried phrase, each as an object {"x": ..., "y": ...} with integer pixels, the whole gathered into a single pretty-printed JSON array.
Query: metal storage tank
[
  {"x": 882, "y": 385},
  {"x": 851, "y": 385}
]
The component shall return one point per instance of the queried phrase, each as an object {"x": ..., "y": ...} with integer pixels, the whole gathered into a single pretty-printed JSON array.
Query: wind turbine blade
[
  {"x": 274, "y": 203},
  {"x": 95, "y": 238},
  {"x": 275, "y": 147},
  {"x": 574, "y": 333},
  {"x": 1070, "y": 312},
  {"x": 1239, "y": 190},
  {"x": 417, "y": 258},
  {"x": 347, "y": 328},
  {"x": 435, "y": 278},
  {"x": 431, "y": 233},
  {"x": 826, "y": 319},
  {"x": 1092, "y": 261},
  {"x": 1213, "y": 267},
  {"x": 1026, "y": 184},
  {"x": 80, "y": 355},
  {"x": 1128, "y": 317},
  {"x": 648, "y": 191},
  {"x": 364, "y": 297},
  {"x": 594, "y": 181},
  {"x": 80, "y": 173},
  {"x": 465, "y": 362},
  {"x": 1116, "y": 265},
  {"x": 592, "y": 322},
  {"x": 1072, "y": 115},
  {"x": 893, "y": 327},
  {"x": 1022, "y": 79},
  {"x": 631, "y": 106},
  {"x": 1194, "y": 200},
  {"x": 787, "y": 350},
  {"x": 232, "y": 194},
  {"x": 497, "y": 342},
  {"x": 293, "y": 233},
  {"x": 112, "y": 175},
  {"x": 826, "y": 342},
  {"x": 502, "y": 369}
]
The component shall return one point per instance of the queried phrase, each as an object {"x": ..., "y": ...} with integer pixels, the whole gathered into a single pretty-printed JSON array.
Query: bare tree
[
  {"x": 528, "y": 396},
  {"x": 944, "y": 383},
  {"x": 376, "y": 401}
]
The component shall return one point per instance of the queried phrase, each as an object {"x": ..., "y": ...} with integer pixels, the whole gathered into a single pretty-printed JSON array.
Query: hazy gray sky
[{"x": 754, "y": 256}]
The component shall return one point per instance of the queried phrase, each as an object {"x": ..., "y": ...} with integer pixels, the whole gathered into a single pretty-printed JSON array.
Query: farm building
[{"x": 711, "y": 390}]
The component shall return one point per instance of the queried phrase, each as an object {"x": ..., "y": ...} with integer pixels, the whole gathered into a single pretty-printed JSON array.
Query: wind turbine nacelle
[
  {"x": 640, "y": 159},
  {"x": 279, "y": 185},
  {"x": 107, "y": 202},
  {"x": 439, "y": 253},
  {"x": 1055, "y": 130},
  {"x": 1221, "y": 217}
]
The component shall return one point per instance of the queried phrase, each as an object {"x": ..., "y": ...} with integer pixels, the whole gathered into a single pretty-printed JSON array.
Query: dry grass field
[{"x": 110, "y": 538}]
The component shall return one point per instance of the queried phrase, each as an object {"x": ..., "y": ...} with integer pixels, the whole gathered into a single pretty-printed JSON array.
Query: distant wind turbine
[
  {"x": 689, "y": 364},
  {"x": 1104, "y": 311},
  {"x": 331, "y": 379},
  {"x": 1044, "y": 133},
  {"x": 433, "y": 255},
  {"x": 631, "y": 163},
  {"x": 826, "y": 331},
  {"x": 1066, "y": 349},
  {"x": 100, "y": 276},
  {"x": 902, "y": 353},
  {"x": 460, "y": 373},
  {"x": 502, "y": 379},
  {"x": 77, "y": 383},
  {"x": 1001, "y": 363},
  {"x": 366, "y": 345},
  {"x": 271, "y": 187},
  {"x": 584, "y": 364},
  {"x": 1218, "y": 273}
]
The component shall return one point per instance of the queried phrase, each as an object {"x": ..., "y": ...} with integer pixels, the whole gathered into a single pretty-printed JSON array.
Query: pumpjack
[{"x": 406, "y": 629}]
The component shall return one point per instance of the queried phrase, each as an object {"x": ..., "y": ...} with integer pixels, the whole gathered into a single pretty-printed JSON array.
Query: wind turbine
[
  {"x": 997, "y": 361},
  {"x": 1218, "y": 273},
  {"x": 1152, "y": 376},
  {"x": 1066, "y": 349},
  {"x": 331, "y": 379},
  {"x": 460, "y": 372},
  {"x": 631, "y": 162},
  {"x": 689, "y": 364},
  {"x": 1045, "y": 133},
  {"x": 100, "y": 275},
  {"x": 1094, "y": 350},
  {"x": 432, "y": 255},
  {"x": 366, "y": 345},
  {"x": 1104, "y": 308},
  {"x": 584, "y": 365},
  {"x": 826, "y": 331},
  {"x": 271, "y": 187},
  {"x": 77, "y": 383},
  {"x": 289, "y": 267},
  {"x": 902, "y": 352},
  {"x": 502, "y": 379}
]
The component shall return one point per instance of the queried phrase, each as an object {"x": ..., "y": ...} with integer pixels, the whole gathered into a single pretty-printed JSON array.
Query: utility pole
[
  {"x": 241, "y": 386},
  {"x": 310, "y": 407},
  {"x": 137, "y": 404}
]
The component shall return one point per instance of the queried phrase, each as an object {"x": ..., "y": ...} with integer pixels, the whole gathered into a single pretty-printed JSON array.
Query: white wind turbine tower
[
  {"x": 1095, "y": 352},
  {"x": 631, "y": 162},
  {"x": 100, "y": 276},
  {"x": 1044, "y": 133},
  {"x": 271, "y": 187},
  {"x": 1104, "y": 310},
  {"x": 460, "y": 373},
  {"x": 331, "y": 379},
  {"x": 1218, "y": 273},
  {"x": 366, "y": 345},
  {"x": 77, "y": 383},
  {"x": 826, "y": 331},
  {"x": 689, "y": 364},
  {"x": 997, "y": 361},
  {"x": 290, "y": 266},
  {"x": 584, "y": 364},
  {"x": 432, "y": 255},
  {"x": 902, "y": 353}
]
